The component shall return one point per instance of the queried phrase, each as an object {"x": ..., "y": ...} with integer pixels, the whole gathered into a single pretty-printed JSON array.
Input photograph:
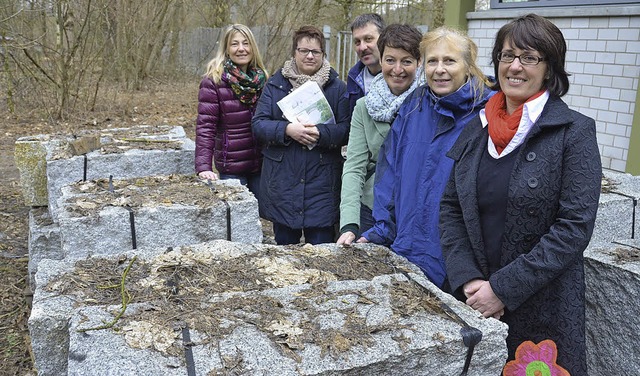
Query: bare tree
[{"x": 59, "y": 54}]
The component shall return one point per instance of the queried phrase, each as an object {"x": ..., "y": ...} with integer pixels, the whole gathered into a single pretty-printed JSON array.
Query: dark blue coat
[
  {"x": 354, "y": 90},
  {"x": 554, "y": 189},
  {"x": 300, "y": 187}
]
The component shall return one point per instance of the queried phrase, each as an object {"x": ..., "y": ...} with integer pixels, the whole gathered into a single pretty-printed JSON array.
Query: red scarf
[{"x": 502, "y": 126}]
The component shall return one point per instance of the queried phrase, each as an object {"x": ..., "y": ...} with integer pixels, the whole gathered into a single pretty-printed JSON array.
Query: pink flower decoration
[{"x": 535, "y": 360}]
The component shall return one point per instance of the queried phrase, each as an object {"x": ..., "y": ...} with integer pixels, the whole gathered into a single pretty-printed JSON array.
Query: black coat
[
  {"x": 300, "y": 187},
  {"x": 554, "y": 190}
]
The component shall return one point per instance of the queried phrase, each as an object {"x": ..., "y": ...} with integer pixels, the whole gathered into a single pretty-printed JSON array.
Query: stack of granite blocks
[
  {"x": 49, "y": 162},
  {"x": 99, "y": 192},
  {"x": 229, "y": 308},
  {"x": 105, "y": 216},
  {"x": 612, "y": 274}
]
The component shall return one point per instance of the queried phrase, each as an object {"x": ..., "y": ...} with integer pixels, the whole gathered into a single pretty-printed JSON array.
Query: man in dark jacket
[{"x": 365, "y": 29}]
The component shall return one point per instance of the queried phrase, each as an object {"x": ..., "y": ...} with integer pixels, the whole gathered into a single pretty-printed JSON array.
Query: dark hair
[
  {"x": 310, "y": 32},
  {"x": 364, "y": 19},
  {"x": 533, "y": 32},
  {"x": 406, "y": 37}
]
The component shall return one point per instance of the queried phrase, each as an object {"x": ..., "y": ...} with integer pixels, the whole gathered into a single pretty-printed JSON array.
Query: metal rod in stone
[
  {"x": 111, "y": 183},
  {"x": 84, "y": 172},
  {"x": 132, "y": 225},
  {"x": 188, "y": 353},
  {"x": 633, "y": 218}
]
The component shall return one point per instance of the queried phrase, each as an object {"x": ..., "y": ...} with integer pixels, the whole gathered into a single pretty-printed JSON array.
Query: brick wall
[{"x": 603, "y": 57}]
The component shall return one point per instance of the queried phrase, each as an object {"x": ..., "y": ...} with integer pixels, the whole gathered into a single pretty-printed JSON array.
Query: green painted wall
[
  {"x": 633, "y": 157},
  {"x": 455, "y": 12}
]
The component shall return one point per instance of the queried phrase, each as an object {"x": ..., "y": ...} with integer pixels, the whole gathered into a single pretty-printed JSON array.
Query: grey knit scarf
[
  {"x": 290, "y": 71},
  {"x": 382, "y": 105}
]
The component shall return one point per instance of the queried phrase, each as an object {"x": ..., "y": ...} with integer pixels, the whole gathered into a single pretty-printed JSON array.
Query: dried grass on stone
[{"x": 214, "y": 296}]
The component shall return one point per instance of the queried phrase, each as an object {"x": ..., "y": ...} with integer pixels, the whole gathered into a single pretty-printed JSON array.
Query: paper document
[{"x": 307, "y": 105}]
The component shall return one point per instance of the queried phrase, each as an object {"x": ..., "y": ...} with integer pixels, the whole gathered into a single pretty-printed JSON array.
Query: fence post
[{"x": 326, "y": 30}]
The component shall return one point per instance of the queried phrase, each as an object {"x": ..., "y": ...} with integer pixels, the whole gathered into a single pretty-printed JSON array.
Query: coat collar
[
  {"x": 467, "y": 152},
  {"x": 281, "y": 82}
]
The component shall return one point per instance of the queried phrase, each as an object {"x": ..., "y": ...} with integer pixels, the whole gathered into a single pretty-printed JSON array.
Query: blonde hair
[
  {"x": 215, "y": 67},
  {"x": 460, "y": 42}
]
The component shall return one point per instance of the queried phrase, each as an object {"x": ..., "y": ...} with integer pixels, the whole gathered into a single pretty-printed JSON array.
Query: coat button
[
  {"x": 531, "y": 211},
  {"x": 532, "y": 182},
  {"x": 302, "y": 181},
  {"x": 531, "y": 156}
]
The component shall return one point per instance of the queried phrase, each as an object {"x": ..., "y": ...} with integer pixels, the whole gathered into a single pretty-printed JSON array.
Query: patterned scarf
[
  {"x": 382, "y": 105},
  {"x": 290, "y": 71},
  {"x": 246, "y": 86},
  {"x": 502, "y": 126}
]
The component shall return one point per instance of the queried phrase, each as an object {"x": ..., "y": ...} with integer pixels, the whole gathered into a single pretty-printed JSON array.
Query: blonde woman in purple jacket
[{"x": 227, "y": 99}]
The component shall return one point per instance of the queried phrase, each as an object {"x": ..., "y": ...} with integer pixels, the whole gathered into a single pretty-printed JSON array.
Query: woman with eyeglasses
[
  {"x": 302, "y": 165},
  {"x": 227, "y": 99},
  {"x": 412, "y": 167},
  {"x": 399, "y": 47},
  {"x": 520, "y": 205}
]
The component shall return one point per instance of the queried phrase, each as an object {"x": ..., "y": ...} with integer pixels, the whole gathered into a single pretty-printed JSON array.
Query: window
[{"x": 501, "y": 4}]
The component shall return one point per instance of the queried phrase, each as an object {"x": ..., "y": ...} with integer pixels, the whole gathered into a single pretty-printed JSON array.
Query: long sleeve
[
  {"x": 384, "y": 230},
  {"x": 269, "y": 126},
  {"x": 571, "y": 230},
  {"x": 457, "y": 250},
  {"x": 333, "y": 136},
  {"x": 355, "y": 168},
  {"x": 206, "y": 124}
]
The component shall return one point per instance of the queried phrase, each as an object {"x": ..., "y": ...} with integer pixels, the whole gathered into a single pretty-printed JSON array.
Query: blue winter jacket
[
  {"x": 412, "y": 172},
  {"x": 355, "y": 89},
  {"x": 300, "y": 187}
]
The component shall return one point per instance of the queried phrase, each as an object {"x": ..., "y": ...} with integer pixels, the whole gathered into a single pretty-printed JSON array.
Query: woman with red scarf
[
  {"x": 520, "y": 205},
  {"x": 227, "y": 100}
]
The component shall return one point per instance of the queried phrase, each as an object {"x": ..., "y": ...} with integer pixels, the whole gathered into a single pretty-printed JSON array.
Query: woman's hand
[
  {"x": 484, "y": 300},
  {"x": 471, "y": 287},
  {"x": 306, "y": 134},
  {"x": 208, "y": 175},
  {"x": 347, "y": 238}
]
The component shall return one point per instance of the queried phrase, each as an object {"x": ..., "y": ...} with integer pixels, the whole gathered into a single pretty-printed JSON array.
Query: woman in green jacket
[{"x": 399, "y": 47}]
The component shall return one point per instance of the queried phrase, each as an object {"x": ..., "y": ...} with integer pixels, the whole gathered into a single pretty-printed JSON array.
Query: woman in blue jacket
[
  {"x": 302, "y": 165},
  {"x": 412, "y": 166}
]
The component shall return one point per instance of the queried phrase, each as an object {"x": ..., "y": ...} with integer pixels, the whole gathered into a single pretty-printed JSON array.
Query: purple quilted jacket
[{"x": 223, "y": 132}]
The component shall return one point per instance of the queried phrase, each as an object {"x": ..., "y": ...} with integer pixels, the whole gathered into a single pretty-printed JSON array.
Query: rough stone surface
[
  {"x": 628, "y": 186},
  {"x": 613, "y": 220},
  {"x": 157, "y": 224},
  {"x": 612, "y": 276},
  {"x": 125, "y": 153},
  {"x": 49, "y": 326},
  {"x": 107, "y": 230},
  {"x": 44, "y": 240},
  {"x": 419, "y": 341},
  {"x": 30, "y": 157}
]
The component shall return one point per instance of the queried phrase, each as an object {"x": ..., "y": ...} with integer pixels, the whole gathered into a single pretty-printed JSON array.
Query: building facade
[{"x": 603, "y": 59}]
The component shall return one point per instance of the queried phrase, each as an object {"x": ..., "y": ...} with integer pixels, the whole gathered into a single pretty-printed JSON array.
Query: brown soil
[{"x": 163, "y": 102}]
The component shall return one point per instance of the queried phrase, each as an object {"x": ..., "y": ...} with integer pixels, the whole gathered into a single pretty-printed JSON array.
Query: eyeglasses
[
  {"x": 508, "y": 57},
  {"x": 305, "y": 52}
]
